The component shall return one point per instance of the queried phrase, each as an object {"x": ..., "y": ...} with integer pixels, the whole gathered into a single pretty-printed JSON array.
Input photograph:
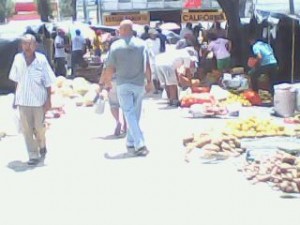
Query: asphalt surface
[{"x": 78, "y": 185}]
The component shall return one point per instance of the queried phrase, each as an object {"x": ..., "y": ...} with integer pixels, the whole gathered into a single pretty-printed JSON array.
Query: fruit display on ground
[
  {"x": 256, "y": 127},
  {"x": 236, "y": 98},
  {"x": 212, "y": 146},
  {"x": 282, "y": 170},
  {"x": 265, "y": 96},
  {"x": 293, "y": 120},
  {"x": 197, "y": 98},
  {"x": 79, "y": 89}
]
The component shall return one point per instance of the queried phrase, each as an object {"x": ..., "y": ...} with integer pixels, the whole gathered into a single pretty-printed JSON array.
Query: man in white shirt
[
  {"x": 153, "y": 44},
  {"x": 78, "y": 47},
  {"x": 34, "y": 77},
  {"x": 60, "y": 54}
]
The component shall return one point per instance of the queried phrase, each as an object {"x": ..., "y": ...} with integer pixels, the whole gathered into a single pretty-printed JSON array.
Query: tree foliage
[
  {"x": 68, "y": 8},
  {"x": 231, "y": 9},
  {"x": 6, "y": 9},
  {"x": 44, "y": 9}
]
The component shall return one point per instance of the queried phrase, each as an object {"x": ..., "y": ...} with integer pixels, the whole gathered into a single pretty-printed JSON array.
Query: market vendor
[
  {"x": 170, "y": 66},
  {"x": 266, "y": 63},
  {"x": 221, "y": 48},
  {"x": 98, "y": 45},
  {"x": 78, "y": 50}
]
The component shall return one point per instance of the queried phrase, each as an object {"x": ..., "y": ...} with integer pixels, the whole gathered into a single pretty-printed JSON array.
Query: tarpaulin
[{"x": 8, "y": 49}]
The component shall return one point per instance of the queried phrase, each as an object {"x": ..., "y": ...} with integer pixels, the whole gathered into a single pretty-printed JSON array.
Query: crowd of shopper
[{"x": 133, "y": 65}]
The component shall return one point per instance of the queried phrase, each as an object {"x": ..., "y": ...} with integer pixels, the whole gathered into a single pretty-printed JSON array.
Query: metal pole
[
  {"x": 293, "y": 52},
  {"x": 99, "y": 11},
  {"x": 84, "y": 10},
  {"x": 292, "y": 7}
]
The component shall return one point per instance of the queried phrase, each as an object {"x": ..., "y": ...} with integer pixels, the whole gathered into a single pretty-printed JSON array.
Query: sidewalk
[{"x": 78, "y": 186}]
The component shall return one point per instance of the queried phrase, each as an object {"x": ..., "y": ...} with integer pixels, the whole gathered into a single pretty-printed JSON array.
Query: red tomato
[{"x": 253, "y": 97}]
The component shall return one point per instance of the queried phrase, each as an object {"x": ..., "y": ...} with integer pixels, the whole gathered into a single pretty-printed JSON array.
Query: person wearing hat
[{"x": 153, "y": 44}]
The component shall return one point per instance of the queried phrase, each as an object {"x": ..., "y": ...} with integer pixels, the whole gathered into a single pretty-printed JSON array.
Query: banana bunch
[
  {"x": 255, "y": 127},
  {"x": 236, "y": 98}
]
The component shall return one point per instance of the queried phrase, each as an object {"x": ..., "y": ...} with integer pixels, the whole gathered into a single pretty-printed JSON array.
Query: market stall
[{"x": 91, "y": 71}]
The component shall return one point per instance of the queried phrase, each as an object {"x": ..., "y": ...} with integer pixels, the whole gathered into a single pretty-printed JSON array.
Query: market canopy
[{"x": 277, "y": 6}]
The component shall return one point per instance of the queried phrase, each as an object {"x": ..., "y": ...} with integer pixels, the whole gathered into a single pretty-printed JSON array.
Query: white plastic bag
[
  {"x": 100, "y": 105},
  {"x": 17, "y": 122}
]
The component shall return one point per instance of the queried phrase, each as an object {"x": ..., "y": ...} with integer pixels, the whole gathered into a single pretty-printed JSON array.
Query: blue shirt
[
  {"x": 266, "y": 52},
  {"x": 129, "y": 57}
]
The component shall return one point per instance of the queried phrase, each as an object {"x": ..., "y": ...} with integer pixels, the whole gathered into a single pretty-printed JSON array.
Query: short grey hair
[{"x": 28, "y": 38}]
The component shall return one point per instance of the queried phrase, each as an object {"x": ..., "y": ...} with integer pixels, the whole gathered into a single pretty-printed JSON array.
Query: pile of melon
[{"x": 79, "y": 89}]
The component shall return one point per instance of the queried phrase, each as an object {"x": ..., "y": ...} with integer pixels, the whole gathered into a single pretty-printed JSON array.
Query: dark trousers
[
  {"x": 76, "y": 59},
  {"x": 60, "y": 67},
  {"x": 271, "y": 70}
]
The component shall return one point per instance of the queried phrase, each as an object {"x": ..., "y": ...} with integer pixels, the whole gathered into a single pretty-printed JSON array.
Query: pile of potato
[
  {"x": 218, "y": 146},
  {"x": 283, "y": 170},
  {"x": 256, "y": 127}
]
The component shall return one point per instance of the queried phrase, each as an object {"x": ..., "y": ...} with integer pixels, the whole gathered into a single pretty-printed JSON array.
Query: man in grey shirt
[{"x": 129, "y": 61}]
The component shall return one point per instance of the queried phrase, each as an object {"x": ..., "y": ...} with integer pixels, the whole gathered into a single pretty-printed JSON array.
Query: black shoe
[
  {"x": 174, "y": 103},
  {"x": 43, "y": 152},
  {"x": 143, "y": 151},
  {"x": 130, "y": 148},
  {"x": 33, "y": 162}
]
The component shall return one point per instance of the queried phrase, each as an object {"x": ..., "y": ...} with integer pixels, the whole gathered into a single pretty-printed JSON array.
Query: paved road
[{"x": 79, "y": 186}]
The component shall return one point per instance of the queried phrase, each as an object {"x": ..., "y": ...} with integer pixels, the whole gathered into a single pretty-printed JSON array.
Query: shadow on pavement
[
  {"x": 168, "y": 108},
  {"x": 125, "y": 155},
  {"x": 19, "y": 166},
  {"x": 111, "y": 137}
]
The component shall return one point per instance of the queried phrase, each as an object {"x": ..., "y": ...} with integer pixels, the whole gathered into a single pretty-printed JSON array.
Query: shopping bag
[
  {"x": 100, "y": 105},
  {"x": 17, "y": 122}
]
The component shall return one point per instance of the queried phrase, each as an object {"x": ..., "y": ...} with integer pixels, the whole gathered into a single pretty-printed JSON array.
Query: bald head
[{"x": 126, "y": 28}]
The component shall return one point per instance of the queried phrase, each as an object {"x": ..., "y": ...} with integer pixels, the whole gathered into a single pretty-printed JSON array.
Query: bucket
[{"x": 284, "y": 100}]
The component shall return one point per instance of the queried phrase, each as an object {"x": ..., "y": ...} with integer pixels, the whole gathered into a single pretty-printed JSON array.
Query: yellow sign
[
  {"x": 138, "y": 18},
  {"x": 202, "y": 16}
]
